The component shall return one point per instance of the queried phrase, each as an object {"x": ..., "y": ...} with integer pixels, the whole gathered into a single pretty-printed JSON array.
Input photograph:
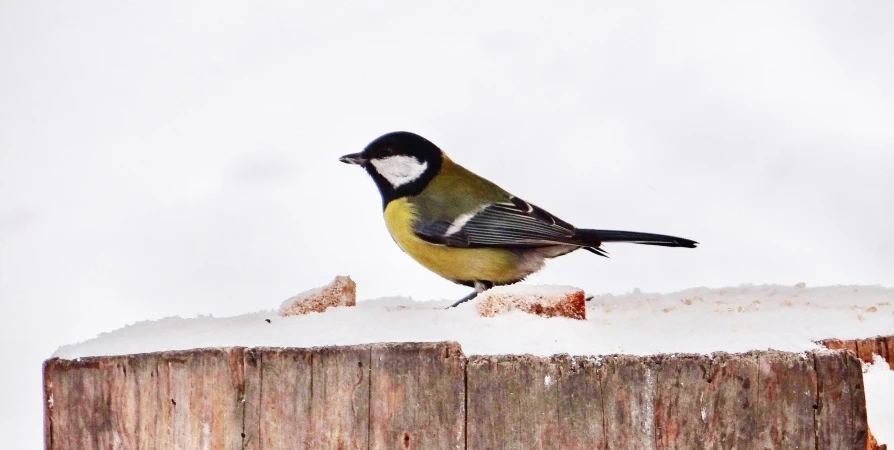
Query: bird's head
[{"x": 401, "y": 163}]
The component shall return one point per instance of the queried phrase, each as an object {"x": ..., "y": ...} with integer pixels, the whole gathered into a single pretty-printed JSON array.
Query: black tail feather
[
  {"x": 596, "y": 237},
  {"x": 597, "y": 251}
]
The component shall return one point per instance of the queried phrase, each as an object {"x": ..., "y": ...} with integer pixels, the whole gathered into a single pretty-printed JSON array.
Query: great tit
[{"x": 465, "y": 228}]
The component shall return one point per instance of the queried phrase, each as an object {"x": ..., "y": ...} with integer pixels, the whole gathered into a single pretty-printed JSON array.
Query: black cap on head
[
  {"x": 402, "y": 143},
  {"x": 401, "y": 163}
]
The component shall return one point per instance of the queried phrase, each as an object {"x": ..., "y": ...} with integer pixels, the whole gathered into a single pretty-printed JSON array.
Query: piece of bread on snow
[
  {"x": 342, "y": 291},
  {"x": 546, "y": 301}
]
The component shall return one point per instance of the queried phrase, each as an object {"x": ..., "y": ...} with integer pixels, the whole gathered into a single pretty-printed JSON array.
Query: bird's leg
[
  {"x": 480, "y": 286},
  {"x": 471, "y": 295}
]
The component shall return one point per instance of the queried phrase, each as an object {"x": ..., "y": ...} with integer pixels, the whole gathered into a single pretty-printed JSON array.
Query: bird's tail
[{"x": 595, "y": 237}]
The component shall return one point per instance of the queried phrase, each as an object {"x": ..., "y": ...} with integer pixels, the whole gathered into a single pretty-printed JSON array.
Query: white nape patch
[{"x": 400, "y": 169}]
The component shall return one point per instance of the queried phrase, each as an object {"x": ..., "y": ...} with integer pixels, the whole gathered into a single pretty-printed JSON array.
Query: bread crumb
[
  {"x": 342, "y": 291},
  {"x": 547, "y": 301}
]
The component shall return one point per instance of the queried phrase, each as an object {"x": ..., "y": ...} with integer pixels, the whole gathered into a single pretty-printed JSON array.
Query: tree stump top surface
[{"x": 698, "y": 321}]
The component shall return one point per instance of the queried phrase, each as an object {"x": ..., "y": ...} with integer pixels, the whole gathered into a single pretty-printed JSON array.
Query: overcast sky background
[{"x": 177, "y": 158}]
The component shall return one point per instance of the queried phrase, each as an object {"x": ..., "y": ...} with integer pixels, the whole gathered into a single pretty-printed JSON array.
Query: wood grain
[
  {"x": 889, "y": 346},
  {"x": 731, "y": 402},
  {"x": 278, "y": 398},
  {"x": 418, "y": 394},
  {"x": 188, "y": 400},
  {"x": 429, "y": 396},
  {"x": 629, "y": 386},
  {"x": 307, "y": 398},
  {"x": 580, "y": 404},
  {"x": 841, "y": 405},
  {"x": 512, "y": 402},
  {"x": 865, "y": 349},
  {"x": 786, "y": 395},
  {"x": 340, "y": 398},
  {"x": 681, "y": 409}
]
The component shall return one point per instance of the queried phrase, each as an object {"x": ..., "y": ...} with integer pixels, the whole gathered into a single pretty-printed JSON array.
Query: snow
[
  {"x": 697, "y": 320},
  {"x": 878, "y": 381}
]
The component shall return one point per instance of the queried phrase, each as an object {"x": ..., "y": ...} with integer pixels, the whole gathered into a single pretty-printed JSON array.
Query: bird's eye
[{"x": 388, "y": 151}]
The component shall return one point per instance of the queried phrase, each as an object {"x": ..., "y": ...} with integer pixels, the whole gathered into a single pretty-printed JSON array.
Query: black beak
[{"x": 353, "y": 158}]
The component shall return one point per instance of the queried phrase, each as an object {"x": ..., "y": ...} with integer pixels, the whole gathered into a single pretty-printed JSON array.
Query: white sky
[{"x": 165, "y": 158}]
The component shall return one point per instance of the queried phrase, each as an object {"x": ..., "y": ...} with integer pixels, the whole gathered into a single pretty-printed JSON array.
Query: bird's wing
[{"x": 514, "y": 224}]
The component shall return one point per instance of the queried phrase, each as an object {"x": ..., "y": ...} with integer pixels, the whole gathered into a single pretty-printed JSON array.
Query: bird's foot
[
  {"x": 480, "y": 286},
  {"x": 463, "y": 300}
]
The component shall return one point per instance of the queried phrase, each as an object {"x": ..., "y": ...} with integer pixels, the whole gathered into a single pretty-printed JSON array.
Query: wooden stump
[
  {"x": 731, "y": 397},
  {"x": 418, "y": 394},
  {"x": 313, "y": 398},
  {"x": 866, "y": 349},
  {"x": 581, "y": 403},
  {"x": 190, "y": 399},
  {"x": 512, "y": 402},
  {"x": 429, "y": 396},
  {"x": 841, "y": 402}
]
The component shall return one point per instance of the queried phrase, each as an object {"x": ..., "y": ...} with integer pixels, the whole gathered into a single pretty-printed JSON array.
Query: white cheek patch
[{"x": 400, "y": 169}]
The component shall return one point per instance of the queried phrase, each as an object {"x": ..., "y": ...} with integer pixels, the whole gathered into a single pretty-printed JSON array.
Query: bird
[{"x": 467, "y": 229}]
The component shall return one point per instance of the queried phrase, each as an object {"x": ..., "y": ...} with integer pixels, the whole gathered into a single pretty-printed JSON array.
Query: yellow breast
[{"x": 456, "y": 264}]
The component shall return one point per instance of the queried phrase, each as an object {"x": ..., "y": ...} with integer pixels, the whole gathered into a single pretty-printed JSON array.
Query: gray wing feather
[{"x": 516, "y": 224}]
